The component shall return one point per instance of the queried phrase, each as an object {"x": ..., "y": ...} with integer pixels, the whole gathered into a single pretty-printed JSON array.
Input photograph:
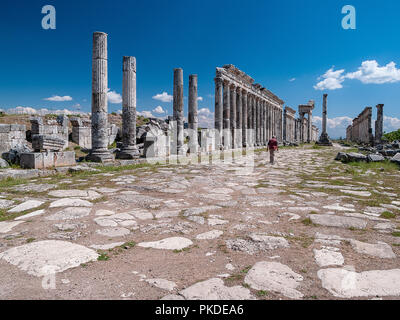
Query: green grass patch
[
  {"x": 103, "y": 257},
  {"x": 29, "y": 240},
  {"x": 396, "y": 234},
  {"x": 388, "y": 215},
  {"x": 262, "y": 293}
]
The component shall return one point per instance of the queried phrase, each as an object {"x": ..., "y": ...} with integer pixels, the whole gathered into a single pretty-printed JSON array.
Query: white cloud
[
  {"x": 164, "y": 97},
  {"x": 58, "y": 98},
  {"x": 159, "y": 110},
  {"x": 206, "y": 118},
  {"x": 336, "y": 127},
  {"x": 292, "y": 79},
  {"x": 146, "y": 114},
  {"x": 371, "y": 72},
  {"x": 40, "y": 112},
  {"x": 332, "y": 80},
  {"x": 21, "y": 110},
  {"x": 199, "y": 98},
  {"x": 390, "y": 124},
  {"x": 113, "y": 97}
]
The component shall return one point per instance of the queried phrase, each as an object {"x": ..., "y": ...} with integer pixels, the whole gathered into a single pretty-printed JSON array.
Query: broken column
[
  {"x": 99, "y": 152},
  {"x": 178, "y": 147},
  {"x": 129, "y": 149},
  {"x": 192, "y": 115},
  {"x": 324, "y": 138},
  {"x": 379, "y": 124}
]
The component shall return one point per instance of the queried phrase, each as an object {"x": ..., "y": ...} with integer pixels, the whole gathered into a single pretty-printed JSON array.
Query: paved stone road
[{"x": 305, "y": 228}]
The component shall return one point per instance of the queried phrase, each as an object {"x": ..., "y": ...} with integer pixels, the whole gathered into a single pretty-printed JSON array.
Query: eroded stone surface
[
  {"x": 173, "y": 243},
  {"x": 214, "y": 289},
  {"x": 349, "y": 284},
  {"x": 27, "y": 205},
  {"x": 48, "y": 256},
  {"x": 274, "y": 276},
  {"x": 338, "y": 221},
  {"x": 379, "y": 250}
]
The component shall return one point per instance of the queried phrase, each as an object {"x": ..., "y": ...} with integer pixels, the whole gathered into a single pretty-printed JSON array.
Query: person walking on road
[{"x": 272, "y": 147}]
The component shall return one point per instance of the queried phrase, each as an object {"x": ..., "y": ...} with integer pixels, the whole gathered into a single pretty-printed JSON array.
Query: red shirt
[{"x": 273, "y": 144}]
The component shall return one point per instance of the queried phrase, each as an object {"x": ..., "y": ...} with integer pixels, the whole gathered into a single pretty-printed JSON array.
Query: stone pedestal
[
  {"x": 324, "y": 138},
  {"x": 129, "y": 149},
  {"x": 43, "y": 160},
  {"x": 99, "y": 152}
]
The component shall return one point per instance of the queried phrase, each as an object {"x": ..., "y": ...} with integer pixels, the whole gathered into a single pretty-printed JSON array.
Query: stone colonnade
[
  {"x": 289, "y": 125},
  {"x": 306, "y": 129},
  {"x": 246, "y": 114},
  {"x": 360, "y": 130},
  {"x": 178, "y": 114}
]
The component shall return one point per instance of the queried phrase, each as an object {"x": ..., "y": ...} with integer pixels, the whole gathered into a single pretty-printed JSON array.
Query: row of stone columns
[
  {"x": 242, "y": 118},
  {"x": 99, "y": 151},
  {"x": 178, "y": 116}
]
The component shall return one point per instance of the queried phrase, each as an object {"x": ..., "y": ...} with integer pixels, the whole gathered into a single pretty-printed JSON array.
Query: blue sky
[{"x": 273, "y": 41}]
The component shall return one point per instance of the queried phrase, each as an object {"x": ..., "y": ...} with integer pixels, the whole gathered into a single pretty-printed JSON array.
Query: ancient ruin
[
  {"x": 99, "y": 151},
  {"x": 324, "y": 138},
  {"x": 361, "y": 129},
  {"x": 246, "y": 114},
  {"x": 129, "y": 149}
]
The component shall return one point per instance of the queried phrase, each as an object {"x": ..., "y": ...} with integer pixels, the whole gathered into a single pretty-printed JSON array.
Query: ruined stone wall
[
  {"x": 361, "y": 129},
  {"x": 54, "y": 128},
  {"x": 82, "y": 132},
  {"x": 11, "y": 136}
]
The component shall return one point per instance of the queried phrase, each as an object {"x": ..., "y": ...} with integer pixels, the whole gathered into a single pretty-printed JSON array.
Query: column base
[
  {"x": 100, "y": 156},
  {"x": 324, "y": 140},
  {"x": 128, "y": 153}
]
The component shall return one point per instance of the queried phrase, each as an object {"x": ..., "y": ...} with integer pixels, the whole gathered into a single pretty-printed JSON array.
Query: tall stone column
[
  {"x": 233, "y": 117},
  {"x": 262, "y": 123},
  {"x": 309, "y": 128},
  {"x": 324, "y": 138},
  {"x": 269, "y": 120},
  {"x": 285, "y": 126},
  {"x": 226, "y": 114},
  {"x": 239, "y": 117},
  {"x": 219, "y": 118},
  {"x": 178, "y": 111},
  {"x": 129, "y": 149},
  {"x": 250, "y": 119},
  {"x": 99, "y": 152},
  {"x": 192, "y": 114},
  {"x": 379, "y": 124},
  {"x": 257, "y": 122},
  {"x": 244, "y": 119},
  {"x": 265, "y": 123}
]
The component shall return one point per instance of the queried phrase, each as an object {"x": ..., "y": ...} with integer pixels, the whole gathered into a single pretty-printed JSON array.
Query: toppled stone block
[
  {"x": 396, "y": 158},
  {"x": 47, "y": 143},
  {"x": 341, "y": 156},
  {"x": 357, "y": 157},
  {"x": 42, "y": 160},
  {"x": 54, "y": 128},
  {"x": 375, "y": 158},
  {"x": 3, "y": 164}
]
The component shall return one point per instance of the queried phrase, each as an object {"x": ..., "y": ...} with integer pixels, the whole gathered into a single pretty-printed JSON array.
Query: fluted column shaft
[
  {"x": 178, "y": 110},
  {"x": 244, "y": 119},
  {"x": 99, "y": 152},
  {"x": 192, "y": 113},
  {"x": 129, "y": 149}
]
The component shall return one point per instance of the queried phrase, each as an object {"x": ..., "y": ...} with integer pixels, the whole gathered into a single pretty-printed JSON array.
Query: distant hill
[{"x": 393, "y": 136}]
